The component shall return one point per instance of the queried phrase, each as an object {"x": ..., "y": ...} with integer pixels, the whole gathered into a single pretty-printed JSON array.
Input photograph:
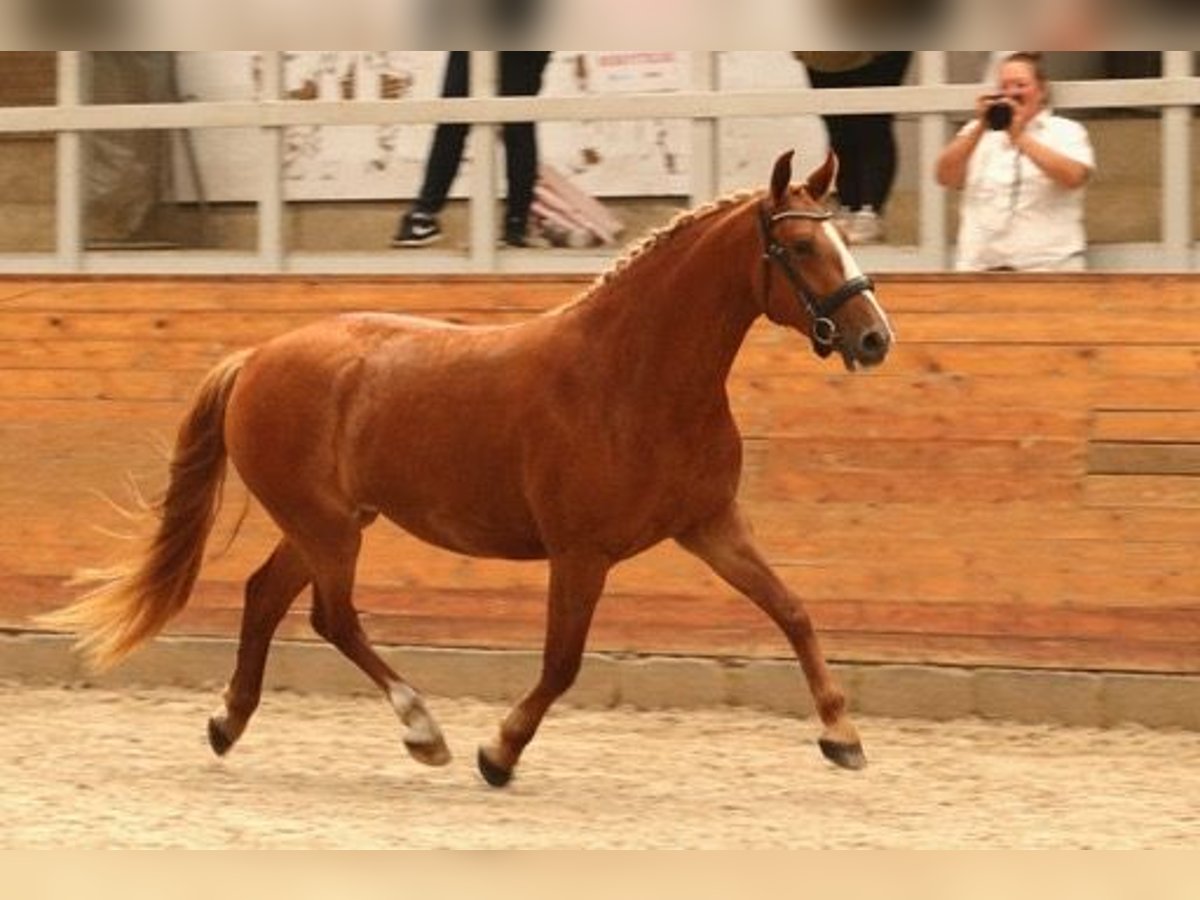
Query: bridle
[{"x": 820, "y": 309}]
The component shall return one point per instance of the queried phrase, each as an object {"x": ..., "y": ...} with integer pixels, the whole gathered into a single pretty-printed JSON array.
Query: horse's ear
[
  {"x": 821, "y": 180},
  {"x": 781, "y": 177}
]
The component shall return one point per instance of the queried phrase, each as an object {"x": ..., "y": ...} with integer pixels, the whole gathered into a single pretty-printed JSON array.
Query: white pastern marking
[
  {"x": 851, "y": 270},
  {"x": 421, "y": 727}
]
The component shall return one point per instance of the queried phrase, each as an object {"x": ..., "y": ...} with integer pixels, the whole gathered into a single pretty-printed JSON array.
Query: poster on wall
[{"x": 642, "y": 158}]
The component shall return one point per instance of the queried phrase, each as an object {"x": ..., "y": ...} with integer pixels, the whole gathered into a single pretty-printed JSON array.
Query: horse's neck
[{"x": 677, "y": 317}]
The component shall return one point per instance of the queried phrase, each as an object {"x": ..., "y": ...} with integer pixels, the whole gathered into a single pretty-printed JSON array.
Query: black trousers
[
  {"x": 865, "y": 144},
  {"x": 520, "y": 76}
]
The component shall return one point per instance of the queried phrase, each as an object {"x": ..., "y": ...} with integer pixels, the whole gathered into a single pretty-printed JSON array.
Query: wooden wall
[
  {"x": 1019, "y": 485},
  {"x": 28, "y": 78}
]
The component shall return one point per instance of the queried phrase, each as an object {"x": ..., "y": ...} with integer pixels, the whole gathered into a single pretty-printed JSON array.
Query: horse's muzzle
[
  {"x": 867, "y": 350},
  {"x": 873, "y": 347}
]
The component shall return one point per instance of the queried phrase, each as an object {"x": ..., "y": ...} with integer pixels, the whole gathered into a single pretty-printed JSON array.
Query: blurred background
[
  {"x": 1124, "y": 23},
  {"x": 265, "y": 160}
]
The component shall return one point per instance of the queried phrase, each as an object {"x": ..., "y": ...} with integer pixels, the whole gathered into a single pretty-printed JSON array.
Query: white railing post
[
  {"x": 706, "y": 155},
  {"x": 272, "y": 254},
  {"x": 933, "y": 244},
  {"x": 482, "y": 144},
  {"x": 70, "y": 200},
  {"x": 1177, "y": 188}
]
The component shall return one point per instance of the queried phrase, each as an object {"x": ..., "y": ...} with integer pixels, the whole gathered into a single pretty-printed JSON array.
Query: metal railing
[{"x": 932, "y": 102}]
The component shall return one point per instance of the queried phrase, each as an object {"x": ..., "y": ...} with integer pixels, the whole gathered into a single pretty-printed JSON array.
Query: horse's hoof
[
  {"x": 847, "y": 756},
  {"x": 429, "y": 753},
  {"x": 492, "y": 773},
  {"x": 217, "y": 739}
]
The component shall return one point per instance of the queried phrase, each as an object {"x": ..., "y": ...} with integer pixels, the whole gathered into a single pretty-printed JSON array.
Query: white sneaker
[{"x": 864, "y": 226}]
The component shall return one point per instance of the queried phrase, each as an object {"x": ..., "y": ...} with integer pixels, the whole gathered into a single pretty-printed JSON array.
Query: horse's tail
[{"x": 130, "y": 603}]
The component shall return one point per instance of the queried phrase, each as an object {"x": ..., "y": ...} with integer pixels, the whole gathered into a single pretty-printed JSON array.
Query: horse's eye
[{"x": 802, "y": 247}]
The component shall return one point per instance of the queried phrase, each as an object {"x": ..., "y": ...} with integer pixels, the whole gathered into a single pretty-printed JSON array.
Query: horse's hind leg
[
  {"x": 726, "y": 545},
  {"x": 335, "y": 619},
  {"x": 575, "y": 586},
  {"x": 269, "y": 593}
]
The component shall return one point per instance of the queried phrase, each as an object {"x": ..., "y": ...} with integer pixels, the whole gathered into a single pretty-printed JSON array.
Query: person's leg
[
  {"x": 867, "y": 152},
  {"x": 873, "y": 135},
  {"x": 839, "y": 128},
  {"x": 449, "y": 139},
  {"x": 842, "y": 142},
  {"x": 873, "y": 144},
  {"x": 419, "y": 226},
  {"x": 520, "y": 76},
  {"x": 521, "y": 161}
]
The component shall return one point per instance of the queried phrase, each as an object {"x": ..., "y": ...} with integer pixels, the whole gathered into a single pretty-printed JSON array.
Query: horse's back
[{"x": 415, "y": 418}]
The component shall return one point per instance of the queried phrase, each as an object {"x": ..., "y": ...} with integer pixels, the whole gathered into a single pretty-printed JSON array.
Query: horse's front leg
[
  {"x": 576, "y": 581},
  {"x": 725, "y": 543}
]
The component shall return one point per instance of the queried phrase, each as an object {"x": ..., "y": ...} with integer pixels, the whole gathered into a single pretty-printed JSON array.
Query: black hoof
[
  {"x": 492, "y": 773},
  {"x": 217, "y": 738},
  {"x": 847, "y": 756}
]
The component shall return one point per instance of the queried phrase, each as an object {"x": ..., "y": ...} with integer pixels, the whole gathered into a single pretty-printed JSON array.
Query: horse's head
[{"x": 811, "y": 282}]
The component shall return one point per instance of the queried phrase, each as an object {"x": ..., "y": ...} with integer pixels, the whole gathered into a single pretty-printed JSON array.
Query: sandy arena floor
[{"x": 94, "y": 768}]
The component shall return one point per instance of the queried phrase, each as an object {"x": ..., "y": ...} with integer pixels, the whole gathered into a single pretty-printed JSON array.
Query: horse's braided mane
[{"x": 659, "y": 236}]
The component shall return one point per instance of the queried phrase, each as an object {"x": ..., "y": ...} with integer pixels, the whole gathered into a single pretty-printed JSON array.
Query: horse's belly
[
  {"x": 472, "y": 537},
  {"x": 470, "y": 531}
]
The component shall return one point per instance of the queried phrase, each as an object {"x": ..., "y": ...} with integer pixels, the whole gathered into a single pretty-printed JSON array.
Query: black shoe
[
  {"x": 514, "y": 234},
  {"x": 417, "y": 229}
]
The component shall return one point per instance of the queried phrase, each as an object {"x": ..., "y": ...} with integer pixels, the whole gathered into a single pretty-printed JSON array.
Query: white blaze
[{"x": 851, "y": 271}]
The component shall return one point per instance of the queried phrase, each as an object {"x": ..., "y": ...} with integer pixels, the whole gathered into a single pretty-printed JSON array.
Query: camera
[{"x": 999, "y": 115}]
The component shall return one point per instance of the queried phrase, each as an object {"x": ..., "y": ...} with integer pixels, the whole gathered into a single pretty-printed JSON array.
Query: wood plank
[
  {"x": 859, "y": 568},
  {"x": 1021, "y": 296},
  {"x": 1123, "y": 458},
  {"x": 831, "y": 389},
  {"x": 50, "y": 413},
  {"x": 1001, "y": 360},
  {"x": 112, "y": 355},
  {"x": 1169, "y": 427},
  {"x": 640, "y": 624},
  {"x": 96, "y": 384},
  {"x": 764, "y": 414},
  {"x": 681, "y": 625},
  {"x": 1138, "y": 360},
  {"x": 772, "y": 350},
  {"x": 1083, "y": 327},
  {"x": 1032, "y": 295},
  {"x": 1173, "y": 392},
  {"x": 1136, "y": 491},
  {"x": 1000, "y": 457},
  {"x": 236, "y": 328},
  {"x": 73, "y": 526},
  {"x": 800, "y": 393},
  {"x": 898, "y": 587},
  {"x": 317, "y": 296},
  {"x": 760, "y": 356},
  {"x": 1035, "y": 520},
  {"x": 910, "y": 486}
]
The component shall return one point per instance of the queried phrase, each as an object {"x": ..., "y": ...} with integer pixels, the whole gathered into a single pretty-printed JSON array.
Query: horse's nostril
[{"x": 873, "y": 346}]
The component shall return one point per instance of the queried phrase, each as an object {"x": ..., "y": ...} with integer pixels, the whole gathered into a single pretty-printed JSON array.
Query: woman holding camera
[{"x": 1022, "y": 172}]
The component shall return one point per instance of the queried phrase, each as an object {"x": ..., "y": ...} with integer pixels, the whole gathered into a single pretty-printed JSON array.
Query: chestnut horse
[{"x": 582, "y": 436}]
